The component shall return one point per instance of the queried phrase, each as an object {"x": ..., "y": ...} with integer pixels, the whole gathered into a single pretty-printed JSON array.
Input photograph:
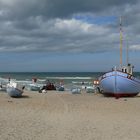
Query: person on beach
[
  {"x": 48, "y": 86},
  {"x": 43, "y": 89}
]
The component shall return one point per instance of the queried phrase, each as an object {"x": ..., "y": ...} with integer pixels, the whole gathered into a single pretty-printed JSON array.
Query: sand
[{"x": 65, "y": 116}]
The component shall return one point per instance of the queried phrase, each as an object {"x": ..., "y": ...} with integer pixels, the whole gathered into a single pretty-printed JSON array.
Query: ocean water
[
  {"x": 68, "y": 76},
  {"x": 69, "y": 79}
]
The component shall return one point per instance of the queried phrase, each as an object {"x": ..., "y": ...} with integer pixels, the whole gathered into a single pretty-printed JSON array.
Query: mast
[
  {"x": 121, "y": 41},
  {"x": 127, "y": 53}
]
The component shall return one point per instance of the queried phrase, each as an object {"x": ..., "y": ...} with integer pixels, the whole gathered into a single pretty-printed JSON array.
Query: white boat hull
[
  {"x": 33, "y": 87},
  {"x": 13, "y": 92},
  {"x": 61, "y": 88},
  {"x": 119, "y": 84},
  {"x": 76, "y": 91},
  {"x": 14, "y": 89},
  {"x": 90, "y": 89}
]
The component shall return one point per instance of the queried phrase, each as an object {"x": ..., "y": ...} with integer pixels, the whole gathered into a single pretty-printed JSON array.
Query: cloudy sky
[{"x": 67, "y": 35}]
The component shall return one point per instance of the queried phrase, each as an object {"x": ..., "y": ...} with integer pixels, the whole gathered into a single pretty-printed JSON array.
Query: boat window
[{"x": 125, "y": 70}]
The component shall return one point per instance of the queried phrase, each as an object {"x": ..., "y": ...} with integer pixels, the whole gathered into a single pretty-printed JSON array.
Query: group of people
[{"x": 48, "y": 86}]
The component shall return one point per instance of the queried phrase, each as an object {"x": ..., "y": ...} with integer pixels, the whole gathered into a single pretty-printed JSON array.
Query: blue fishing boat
[{"x": 120, "y": 82}]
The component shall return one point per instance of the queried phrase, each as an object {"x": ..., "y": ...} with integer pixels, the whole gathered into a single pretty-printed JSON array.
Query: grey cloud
[
  {"x": 46, "y": 25},
  {"x": 57, "y": 8}
]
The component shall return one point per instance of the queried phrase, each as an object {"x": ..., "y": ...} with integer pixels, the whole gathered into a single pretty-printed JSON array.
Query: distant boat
[
  {"x": 14, "y": 89},
  {"x": 60, "y": 88},
  {"x": 3, "y": 83},
  {"x": 76, "y": 90},
  {"x": 33, "y": 87},
  {"x": 48, "y": 86},
  {"x": 90, "y": 89},
  {"x": 2, "y": 87},
  {"x": 120, "y": 82}
]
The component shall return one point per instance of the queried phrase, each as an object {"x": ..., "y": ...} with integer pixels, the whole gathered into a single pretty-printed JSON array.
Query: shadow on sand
[
  {"x": 25, "y": 96},
  {"x": 21, "y": 97},
  {"x": 125, "y": 97}
]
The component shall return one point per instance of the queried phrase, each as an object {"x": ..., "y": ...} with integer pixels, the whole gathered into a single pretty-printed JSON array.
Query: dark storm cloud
[
  {"x": 56, "y": 8},
  {"x": 49, "y": 25}
]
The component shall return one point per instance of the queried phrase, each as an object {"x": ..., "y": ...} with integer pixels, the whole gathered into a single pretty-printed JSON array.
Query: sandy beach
[{"x": 65, "y": 116}]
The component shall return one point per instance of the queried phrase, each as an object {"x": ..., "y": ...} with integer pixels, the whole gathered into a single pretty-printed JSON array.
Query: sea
[{"x": 69, "y": 79}]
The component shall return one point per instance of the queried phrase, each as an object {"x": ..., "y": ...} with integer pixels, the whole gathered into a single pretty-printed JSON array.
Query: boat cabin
[{"x": 127, "y": 69}]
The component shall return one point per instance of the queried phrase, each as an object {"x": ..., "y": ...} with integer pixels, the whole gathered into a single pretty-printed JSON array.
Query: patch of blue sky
[{"x": 100, "y": 20}]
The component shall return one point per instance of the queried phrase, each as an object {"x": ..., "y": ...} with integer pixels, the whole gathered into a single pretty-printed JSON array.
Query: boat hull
[
  {"x": 13, "y": 92},
  {"x": 119, "y": 84},
  {"x": 14, "y": 89},
  {"x": 76, "y": 91}
]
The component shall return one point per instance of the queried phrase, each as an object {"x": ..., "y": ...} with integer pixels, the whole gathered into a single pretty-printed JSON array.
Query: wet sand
[{"x": 65, "y": 116}]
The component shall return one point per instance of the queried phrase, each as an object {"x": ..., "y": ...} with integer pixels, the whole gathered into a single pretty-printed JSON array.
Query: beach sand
[{"x": 65, "y": 116}]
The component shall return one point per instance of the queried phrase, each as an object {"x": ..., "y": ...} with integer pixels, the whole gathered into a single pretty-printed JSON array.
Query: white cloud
[
  {"x": 135, "y": 47},
  {"x": 72, "y": 25},
  {"x": 8, "y": 2}
]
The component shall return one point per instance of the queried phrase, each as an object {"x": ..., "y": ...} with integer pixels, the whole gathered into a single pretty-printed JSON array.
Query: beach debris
[{"x": 10, "y": 101}]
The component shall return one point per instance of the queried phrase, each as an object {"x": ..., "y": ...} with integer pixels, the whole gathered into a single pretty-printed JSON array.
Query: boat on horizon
[{"x": 120, "y": 82}]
